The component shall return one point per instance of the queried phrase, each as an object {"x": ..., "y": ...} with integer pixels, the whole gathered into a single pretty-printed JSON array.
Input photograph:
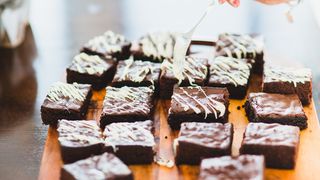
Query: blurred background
[{"x": 59, "y": 28}]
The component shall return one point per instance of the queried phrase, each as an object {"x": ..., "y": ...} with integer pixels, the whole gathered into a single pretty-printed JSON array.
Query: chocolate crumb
[
  {"x": 166, "y": 137},
  {"x": 238, "y": 107}
]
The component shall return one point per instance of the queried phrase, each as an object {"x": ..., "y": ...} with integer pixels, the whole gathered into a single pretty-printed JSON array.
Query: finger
[
  {"x": 234, "y": 3},
  {"x": 222, "y": 1}
]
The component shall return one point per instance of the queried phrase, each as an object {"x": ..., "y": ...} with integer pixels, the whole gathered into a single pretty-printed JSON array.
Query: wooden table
[{"x": 60, "y": 27}]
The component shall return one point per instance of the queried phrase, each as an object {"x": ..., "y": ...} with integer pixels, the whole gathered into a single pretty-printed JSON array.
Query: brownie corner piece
[
  {"x": 278, "y": 143},
  {"x": 198, "y": 104},
  {"x": 127, "y": 104},
  {"x": 65, "y": 101},
  {"x": 105, "y": 166},
  {"x": 228, "y": 167},
  {"x": 79, "y": 139},
  {"x": 109, "y": 44},
  {"x": 288, "y": 80},
  {"x": 91, "y": 69},
  {"x": 276, "y": 108},
  {"x": 197, "y": 141},
  {"x": 194, "y": 73},
  {"x": 132, "y": 142},
  {"x": 232, "y": 73}
]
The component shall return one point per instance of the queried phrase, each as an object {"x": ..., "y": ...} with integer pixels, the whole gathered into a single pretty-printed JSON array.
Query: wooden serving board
[{"x": 308, "y": 160}]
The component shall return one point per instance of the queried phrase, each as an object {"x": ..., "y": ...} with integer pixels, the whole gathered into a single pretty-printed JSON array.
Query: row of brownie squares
[
  {"x": 208, "y": 143},
  {"x": 200, "y": 104},
  {"x": 237, "y": 56}
]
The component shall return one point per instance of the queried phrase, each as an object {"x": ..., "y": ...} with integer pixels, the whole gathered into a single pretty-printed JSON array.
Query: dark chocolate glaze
[
  {"x": 233, "y": 168},
  {"x": 271, "y": 134},
  {"x": 214, "y": 135},
  {"x": 105, "y": 166}
]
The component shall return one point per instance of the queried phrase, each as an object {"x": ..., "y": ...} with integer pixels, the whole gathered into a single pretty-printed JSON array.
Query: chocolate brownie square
[
  {"x": 79, "y": 139},
  {"x": 231, "y": 73},
  {"x": 137, "y": 73},
  {"x": 132, "y": 142},
  {"x": 284, "y": 80},
  {"x": 242, "y": 46},
  {"x": 195, "y": 73},
  {"x": 198, "y": 104},
  {"x": 66, "y": 101},
  {"x": 91, "y": 69},
  {"x": 105, "y": 166},
  {"x": 233, "y": 168},
  {"x": 278, "y": 143},
  {"x": 155, "y": 47},
  {"x": 109, "y": 44},
  {"x": 127, "y": 104},
  {"x": 276, "y": 108},
  {"x": 197, "y": 141}
]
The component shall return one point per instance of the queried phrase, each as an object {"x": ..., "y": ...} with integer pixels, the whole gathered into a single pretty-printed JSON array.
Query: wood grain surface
[{"x": 307, "y": 167}]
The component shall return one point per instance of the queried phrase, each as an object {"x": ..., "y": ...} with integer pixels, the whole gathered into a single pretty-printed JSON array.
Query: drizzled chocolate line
[
  {"x": 109, "y": 41},
  {"x": 196, "y": 69},
  {"x": 136, "y": 70},
  {"x": 158, "y": 45},
  {"x": 211, "y": 105},
  {"x": 239, "y": 44},
  {"x": 237, "y": 71},
  {"x": 134, "y": 99},
  {"x": 285, "y": 74},
  {"x": 61, "y": 90},
  {"x": 80, "y": 132},
  {"x": 85, "y": 63}
]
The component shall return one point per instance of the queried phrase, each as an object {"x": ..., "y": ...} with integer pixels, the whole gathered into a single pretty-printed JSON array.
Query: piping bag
[{"x": 183, "y": 40}]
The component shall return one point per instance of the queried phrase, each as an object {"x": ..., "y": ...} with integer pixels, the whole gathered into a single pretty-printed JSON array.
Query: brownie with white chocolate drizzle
[
  {"x": 109, "y": 44},
  {"x": 242, "y": 46},
  {"x": 79, "y": 139},
  {"x": 285, "y": 80},
  {"x": 137, "y": 73},
  {"x": 127, "y": 104},
  {"x": 198, "y": 104},
  {"x": 66, "y": 101},
  {"x": 231, "y": 73},
  {"x": 91, "y": 69},
  {"x": 132, "y": 142},
  {"x": 154, "y": 47},
  {"x": 197, "y": 141},
  {"x": 284, "y": 109},
  {"x": 105, "y": 166},
  {"x": 195, "y": 73},
  {"x": 277, "y": 143}
]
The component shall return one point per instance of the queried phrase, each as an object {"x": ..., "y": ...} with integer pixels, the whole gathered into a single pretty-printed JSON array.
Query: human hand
[{"x": 234, "y": 3}]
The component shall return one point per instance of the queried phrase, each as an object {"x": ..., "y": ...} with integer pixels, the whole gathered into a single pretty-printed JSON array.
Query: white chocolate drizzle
[
  {"x": 158, "y": 45},
  {"x": 287, "y": 74},
  {"x": 193, "y": 69},
  {"x": 209, "y": 106},
  {"x": 108, "y": 42},
  {"x": 127, "y": 99},
  {"x": 241, "y": 45},
  {"x": 61, "y": 90},
  {"x": 137, "y": 70},
  {"x": 91, "y": 64},
  {"x": 138, "y": 133},
  {"x": 237, "y": 71}
]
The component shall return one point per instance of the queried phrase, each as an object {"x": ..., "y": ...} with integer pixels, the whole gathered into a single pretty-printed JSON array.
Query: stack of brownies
[{"x": 134, "y": 75}]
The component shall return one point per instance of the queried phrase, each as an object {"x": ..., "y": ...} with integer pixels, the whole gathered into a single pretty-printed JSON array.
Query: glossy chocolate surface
[
  {"x": 227, "y": 167},
  {"x": 105, "y": 166}
]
